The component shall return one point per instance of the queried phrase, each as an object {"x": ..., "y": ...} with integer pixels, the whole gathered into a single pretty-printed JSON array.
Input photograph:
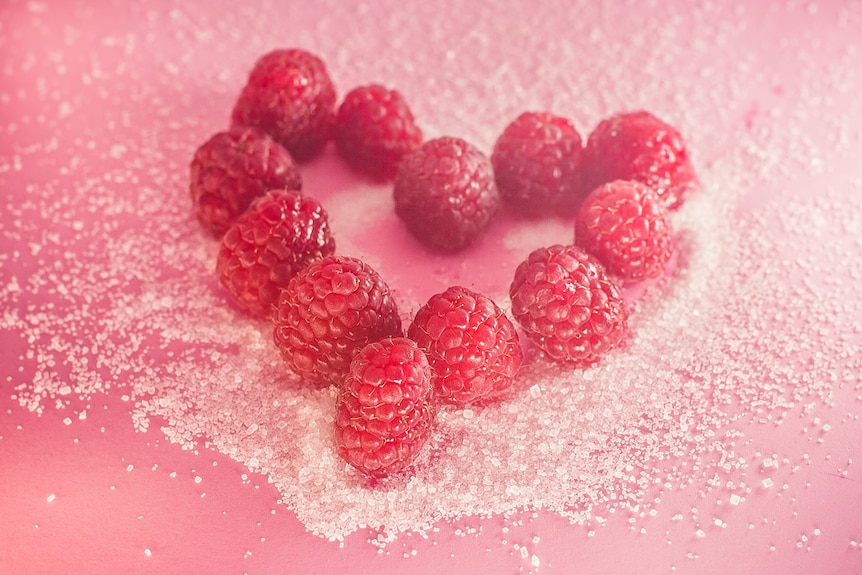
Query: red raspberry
[
  {"x": 289, "y": 95},
  {"x": 280, "y": 233},
  {"x": 471, "y": 345},
  {"x": 233, "y": 168},
  {"x": 568, "y": 306},
  {"x": 537, "y": 164},
  {"x": 445, "y": 193},
  {"x": 639, "y": 146},
  {"x": 626, "y": 227},
  {"x": 374, "y": 129},
  {"x": 328, "y": 312},
  {"x": 384, "y": 411}
]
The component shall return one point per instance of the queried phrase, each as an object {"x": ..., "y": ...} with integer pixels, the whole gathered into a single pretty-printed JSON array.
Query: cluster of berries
[{"x": 335, "y": 319}]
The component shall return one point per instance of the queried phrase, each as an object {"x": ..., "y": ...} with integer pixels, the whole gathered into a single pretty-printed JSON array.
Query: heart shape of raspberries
[{"x": 335, "y": 321}]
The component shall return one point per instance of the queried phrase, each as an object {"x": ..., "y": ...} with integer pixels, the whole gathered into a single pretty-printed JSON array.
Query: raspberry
[
  {"x": 537, "y": 164},
  {"x": 472, "y": 346},
  {"x": 384, "y": 411},
  {"x": 639, "y": 146},
  {"x": 289, "y": 95},
  {"x": 374, "y": 129},
  {"x": 280, "y": 233},
  {"x": 233, "y": 168},
  {"x": 445, "y": 193},
  {"x": 328, "y": 312},
  {"x": 567, "y": 305},
  {"x": 626, "y": 227}
]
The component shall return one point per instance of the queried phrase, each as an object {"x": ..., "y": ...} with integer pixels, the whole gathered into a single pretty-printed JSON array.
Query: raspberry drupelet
[
  {"x": 374, "y": 130},
  {"x": 231, "y": 169},
  {"x": 328, "y": 312},
  {"x": 384, "y": 409},
  {"x": 537, "y": 165},
  {"x": 639, "y": 146},
  {"x": 625, "y": 225},
  {"x": 280, "y": 233},
  {"x": 472, "y": 346},
  {"x": 290, "y": 96},
  {"x": 445, "y": 193},
  {"x": 567, "y": 305}
]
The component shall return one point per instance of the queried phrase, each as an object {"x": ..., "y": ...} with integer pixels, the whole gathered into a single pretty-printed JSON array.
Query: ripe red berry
[
  {"x": 329, "y": 311},
  {"x": 233, "y": 168},
  {"x": 280, "y": 233},
  {"x": 567, "y": 305},
  {"x": 639, "y": 146},
  {"x": 374, "y": 130},
  {"x": 445, "y": 193},
  {"x": 471, "y": 345},
  {"x": 289, "y": 95},
  {"x": 626, "y": 227},
  {"x": 384, "y": 409},
  {"x": 537, "y": 164}
]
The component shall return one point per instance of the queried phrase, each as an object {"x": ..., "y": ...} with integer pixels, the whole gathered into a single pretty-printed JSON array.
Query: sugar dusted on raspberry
[
  {"x": 234, "y": 167},
  {"x": 280, "y": 233},
  {"x": 567, "y": 305},
  {"x": 537, "y": 164},
  {"x": 445, "y": 193},
  {"x": 598, "y": 448},
  {"x": 328, "y": 312},
  {"x": 470, "y": 343},
  {"x": 625, "y": 225},
  {"x": 384, "y": 409},
  {"x": 639, "y": 146},
  {"x": 290, "y": 95},
  {"x": 375, "y": 129}
]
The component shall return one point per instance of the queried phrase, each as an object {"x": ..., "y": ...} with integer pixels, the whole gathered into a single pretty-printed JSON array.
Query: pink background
[{"x": 778, "y": 85}]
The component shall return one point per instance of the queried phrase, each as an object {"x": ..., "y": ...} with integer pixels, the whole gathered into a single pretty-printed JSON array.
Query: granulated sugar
[{"x": 110, "y": 283}]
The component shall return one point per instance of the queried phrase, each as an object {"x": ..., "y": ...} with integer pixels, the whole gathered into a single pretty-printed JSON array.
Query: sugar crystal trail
[{"x": 763, "y": 291}]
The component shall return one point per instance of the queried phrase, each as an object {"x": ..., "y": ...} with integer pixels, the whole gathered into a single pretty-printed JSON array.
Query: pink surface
[{"x": 101, "y": 107}]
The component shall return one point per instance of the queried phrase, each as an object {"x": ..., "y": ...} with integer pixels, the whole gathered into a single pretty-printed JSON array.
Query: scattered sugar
[{"x": 108, "y": 281}]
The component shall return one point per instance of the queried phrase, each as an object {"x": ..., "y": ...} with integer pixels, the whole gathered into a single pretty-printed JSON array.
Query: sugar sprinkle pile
[{"x": 109, "y": 282}]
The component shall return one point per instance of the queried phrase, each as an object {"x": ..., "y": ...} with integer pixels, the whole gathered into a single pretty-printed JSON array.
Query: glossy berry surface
[
  {"x": 374, "y": 130},
  {"x": 472, "y": 346},
  {"x": 445, "y": 193},
  {"x": 537, "y": 165},
  {"x": 234, "y": 167},
  {"x": 639, "y": 146},
  {"x": 567, "y": 305},
  {"x": 384, "y": 409},
  {"x": 328, "y": 312},
  {"x": 627, "y": 228},
  {"x": 281, "y": 233},
  {"x": 290, "y": 96}
]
